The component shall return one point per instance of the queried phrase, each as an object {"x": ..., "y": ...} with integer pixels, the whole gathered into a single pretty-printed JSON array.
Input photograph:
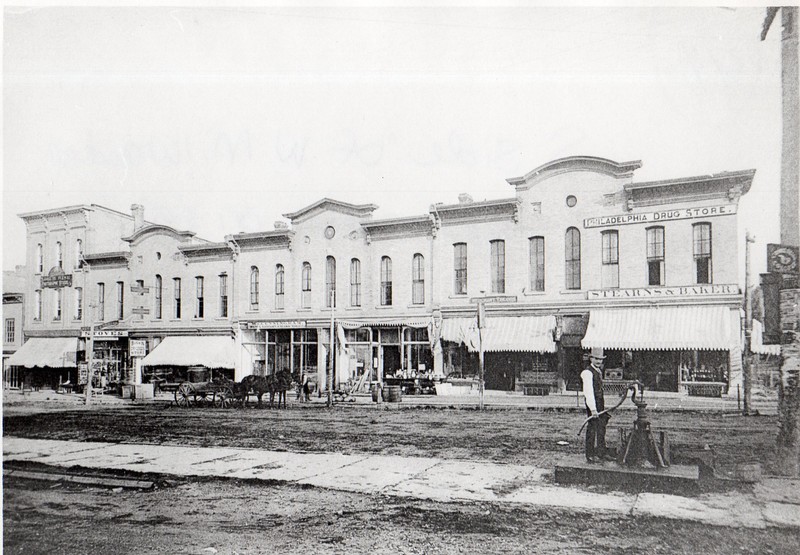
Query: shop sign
[
  {"x": 56, "y": 279},
  {"x": 279, "y": 325},
  {"x": 664, "y": 292},
  {"x": 661, "y": 216},
  {"x": 107, "y": 335},
  {"x": 495, "y": 299},
  {"x": 139, "y": 289},
  {"x": 140, "y": 310},
  {"x": 782, "y": 259},
  {"x": 137, "y": 347}
]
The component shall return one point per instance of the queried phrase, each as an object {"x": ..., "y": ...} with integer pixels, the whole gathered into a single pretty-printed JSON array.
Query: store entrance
[{"x": 391, "y": 359}]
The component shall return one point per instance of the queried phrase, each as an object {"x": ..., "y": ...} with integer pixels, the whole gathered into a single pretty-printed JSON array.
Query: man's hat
[{"x": 597, "y": 352}]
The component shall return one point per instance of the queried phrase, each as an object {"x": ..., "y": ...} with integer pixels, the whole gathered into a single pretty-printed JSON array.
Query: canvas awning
[
  {"x": 46, "y": 352},
  {"x": 195, "y": 350},
  {"x": 663, "y": 328},
  {"x": 421, "y": 322},
  {"x": 504, "y": 333}
]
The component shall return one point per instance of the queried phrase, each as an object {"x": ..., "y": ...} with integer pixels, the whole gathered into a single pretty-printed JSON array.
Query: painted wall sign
[
  {"x": 661, "y": 216},
  {"x": 286, "y": 324},
  {"x": 137, "y": 347},
  {"x": 56, "y": 279},
  {"x": 664, "y": 292},
  {"x": 106, "y": 334}
]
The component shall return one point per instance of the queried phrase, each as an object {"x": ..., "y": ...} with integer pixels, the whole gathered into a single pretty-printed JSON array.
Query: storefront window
[{"x": 418, "y": 356}]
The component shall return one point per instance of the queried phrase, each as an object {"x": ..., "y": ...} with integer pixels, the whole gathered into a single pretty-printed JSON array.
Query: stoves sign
[{"x": 56, "y": 279}]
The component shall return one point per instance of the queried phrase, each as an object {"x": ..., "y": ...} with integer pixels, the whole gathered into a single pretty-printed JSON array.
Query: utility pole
[
  {"x": 330, "y": 357},
  {"x": 481, "y": 325},
  {"x": 90, "y": 341},
  {"x": 748, "y": 327}
]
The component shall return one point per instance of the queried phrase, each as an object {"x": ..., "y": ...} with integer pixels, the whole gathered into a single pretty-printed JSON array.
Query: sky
[{"x": 219, "y": 120}]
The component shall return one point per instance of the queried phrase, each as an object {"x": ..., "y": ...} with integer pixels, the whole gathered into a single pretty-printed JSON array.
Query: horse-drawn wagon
[{"x": 200, "y": 388}]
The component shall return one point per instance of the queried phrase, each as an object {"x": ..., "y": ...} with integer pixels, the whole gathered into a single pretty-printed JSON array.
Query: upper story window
[
  {"x": 199, "y": 304},
  {"x": 355, "y": 282},
  {"x": 572, "y": 258},
  {"x": 418, "y": 279},
  {"x": 37, "y": 299},
  {"x": 78, "y": 303},
  {"x": 386, "y": 281},
  {"x": 655, "y": 255},
  {"x": 497, "y": 258},
  {"x": 609, "y": 271},
  {"x": 78, "y": 252},
  {"x": 59, "y": 255},
  {"x": 11, "y": 335},
  {"x": 536, "y": 256},
  {"x": 101, "y": 301},
  {"x": 176, "y": 285},
  {"x": 279, "y": 283},
  {"x": 305, "y": 286},
  {"x": 120, "y": 300},
  {"x": 702, "y": 252},
  {"x": 460, "y": 268},
  {"x": 223, "y": 295},
  {"x": 57, "y": 305},
  {"x": 39, "y": 258},
  {"x": 330, "y": 282},
  {"x": 253, "y": 288},
  {"x": 159, "y": 292}
]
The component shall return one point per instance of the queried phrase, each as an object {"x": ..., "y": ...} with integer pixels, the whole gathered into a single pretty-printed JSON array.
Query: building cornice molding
[
  {"x": 328, "y": 204},
  {"x": 475, "y": 212},
  {"x": 618, "y": 170},
  {"x": 158, "y": 229}
]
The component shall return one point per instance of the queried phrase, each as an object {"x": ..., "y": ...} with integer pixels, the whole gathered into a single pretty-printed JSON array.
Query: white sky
[{"x": 219, "y": 120}]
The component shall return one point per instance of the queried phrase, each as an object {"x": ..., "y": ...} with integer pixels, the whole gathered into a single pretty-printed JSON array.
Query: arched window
[
  {"x": 460, "y": 268},
  {"x": 418, "y": 279},
  {"x": 39, "y": 258},
  {"x": 305, "y": 286},
  {"x": 572, "y": 258},
  {"x": 609, "y": 270},
  {"x": 355, "y": 282},
  {"x": 158, "y": 293},
  {"x": 330, "y": 281},
  {"x": 253, "y": 288},
  {"x": 386, "y": 281},
  {"x": 37, "y": 315},
  {"x": 279, "y": 287},
  {"x": 536, "y": 255}
]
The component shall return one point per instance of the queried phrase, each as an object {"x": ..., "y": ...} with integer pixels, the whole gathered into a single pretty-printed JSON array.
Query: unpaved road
[{"x": 227, "y": 516}]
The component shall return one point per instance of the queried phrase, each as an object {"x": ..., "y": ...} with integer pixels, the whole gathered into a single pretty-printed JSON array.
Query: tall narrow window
[
  {"x": 305, "y": 286},
  {"x": 418, "y": 279},
  {"x": 497, "y": 261},
  {"x": 223, "y": 295},
  {"x": 37, "y": 296},
  {"x": 176, "y": 282},
  {"x": 355, "y": 282},
  {"x": 59, "y": 255},
  {"x": 702, "y": 252},
  {"x": 460, "y": 268},
  {"x": 57, "y": 304},
  {"x": 253, "y": 288},
  {"x": 78, "y": 252},
  {"x": 655, "y": 256},
  {"x": 536, "y": 255},
  {"x": 159, "y": 295},
  {"x": 120, "y": 300},
  {"x": 39, "y": 258},
  {"x": 279, "y": 284},
  {"x": 386, "y": 281},
  {"x": 199, "y": 304},
  {"x": 330, "y": 281},
  {"x": 101, "y": 301},
  {"x": 10, "y": 330},
  {"x": 78, "y": 303},
  {"x": 572, "y": 258},
  {"x": 610, "y": 260}
]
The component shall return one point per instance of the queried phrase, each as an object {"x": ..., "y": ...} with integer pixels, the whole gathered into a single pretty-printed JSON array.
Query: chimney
[
  {"x": 464, "y": 198},
  {"x": 137, "y": 210},
  {"x": 281, "y": 225}
]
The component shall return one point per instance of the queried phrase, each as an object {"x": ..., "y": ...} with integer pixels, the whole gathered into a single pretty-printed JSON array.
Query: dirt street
[{"x": 231, "y": 516}]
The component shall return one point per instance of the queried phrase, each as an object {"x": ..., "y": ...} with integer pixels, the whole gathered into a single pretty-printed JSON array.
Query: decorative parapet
[
  {"x": 476, "y": 212},
  {"x": 394, "y": 228}
]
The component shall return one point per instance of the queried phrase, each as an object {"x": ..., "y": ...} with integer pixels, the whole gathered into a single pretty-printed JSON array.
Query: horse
[
  {"x": 282, "y": 382},
  {"x": 259, "y": 385}
]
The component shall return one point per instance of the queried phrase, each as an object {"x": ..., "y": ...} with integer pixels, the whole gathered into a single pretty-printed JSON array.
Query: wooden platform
[{"x": 624, "y": 477}]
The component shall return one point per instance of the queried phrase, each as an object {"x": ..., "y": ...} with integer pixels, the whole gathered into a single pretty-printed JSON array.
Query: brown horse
[
  {"x": 258, "y": 385},
  {"x": 281, "y": 383}
]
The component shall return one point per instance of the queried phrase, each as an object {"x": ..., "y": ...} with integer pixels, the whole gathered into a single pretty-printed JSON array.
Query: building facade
[
  {"x": 13, "y": 319},
  {"x": 578, "y": 256}
]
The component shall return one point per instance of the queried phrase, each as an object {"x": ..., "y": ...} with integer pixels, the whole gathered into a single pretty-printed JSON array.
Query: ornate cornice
[
  {"x": 411, "y": 226},
  {"x": 155, "y": 229},
  {"x": 272, "y": 240},
  {"x": 327, "y": 204},
  {"x": 483, "y": 211},
  {"x": 728, "y": 186},
  {"x": 619, "y": 170}
]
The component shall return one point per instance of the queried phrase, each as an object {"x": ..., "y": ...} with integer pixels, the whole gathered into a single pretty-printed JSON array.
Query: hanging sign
[
  {"x": 137, "y": 347},
  {"x": 139, "y": 289}
]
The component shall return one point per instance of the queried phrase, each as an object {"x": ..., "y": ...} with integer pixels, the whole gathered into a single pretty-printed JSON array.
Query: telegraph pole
[
  {"x": 90, "y": 342},
  {"x": 330, "y": 356},
  {"x": 481, "y": 325},
  {"x": 748, "y": 327}
]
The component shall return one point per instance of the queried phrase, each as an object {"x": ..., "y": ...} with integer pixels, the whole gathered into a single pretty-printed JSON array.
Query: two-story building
[
  {"x": 13, "y": 321},
  {"x": 580, "y": 256}
]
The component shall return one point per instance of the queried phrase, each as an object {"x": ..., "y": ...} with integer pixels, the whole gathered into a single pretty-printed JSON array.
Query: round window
[
  {"x": 571, "y": 201},
  {"x": 330, "y": 232}
]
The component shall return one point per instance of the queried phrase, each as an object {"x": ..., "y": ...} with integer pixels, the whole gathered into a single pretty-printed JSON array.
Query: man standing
[{"x": 592, "y": 378}]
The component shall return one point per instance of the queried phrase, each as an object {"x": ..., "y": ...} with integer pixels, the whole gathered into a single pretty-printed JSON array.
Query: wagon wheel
[
  {"x": 223, "y": 399},
  {"x": 183, "y": 395}
]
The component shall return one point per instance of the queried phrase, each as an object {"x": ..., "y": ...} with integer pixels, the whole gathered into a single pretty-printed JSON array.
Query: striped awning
[
  {"x": 504, "y": 333},
  {"x": 420, "y": 322},
  {"x": 663, "y": 328},
  {"x": 193, "y": 350},
  {"x": 46, "y": 352}
]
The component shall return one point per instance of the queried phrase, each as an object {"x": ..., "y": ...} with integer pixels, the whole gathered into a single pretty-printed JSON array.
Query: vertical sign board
[
  {"x": 783, "y": 268},
  {"x": 137, "y": 347}
]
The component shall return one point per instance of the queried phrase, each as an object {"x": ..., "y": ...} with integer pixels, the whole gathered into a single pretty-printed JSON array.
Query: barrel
[
  {"x": 376, "y": 392},
  {"x": 392, "y": 394}
]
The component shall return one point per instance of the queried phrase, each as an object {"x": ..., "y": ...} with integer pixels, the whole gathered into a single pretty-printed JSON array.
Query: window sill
[
  {"x": 533, "y": 293},
  {"x": 278, "y": 310},
  {"x": 384, "y": 307},
  {"x": 419, "y": 305},
  {"x": 571, "y": 292},
  {"x": 304, "y": 310},
  {"x": 459, "y": 296},
  {"x": 353, "y": 308}
]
